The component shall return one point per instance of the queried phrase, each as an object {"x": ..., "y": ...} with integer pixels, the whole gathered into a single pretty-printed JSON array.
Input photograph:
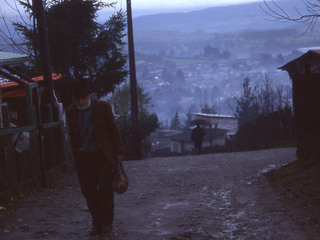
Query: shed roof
[
  {"x": 12, "y": 58},
  {"x": 215, "y": 115},
  {"x": 308, "y": 61}
]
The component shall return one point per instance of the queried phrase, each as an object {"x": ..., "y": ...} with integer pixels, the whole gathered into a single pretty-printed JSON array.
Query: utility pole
[
  {"x": 47, "y": 76},
  {"x": 136, "y": 140},
  {"x": 44, "y": 50}
]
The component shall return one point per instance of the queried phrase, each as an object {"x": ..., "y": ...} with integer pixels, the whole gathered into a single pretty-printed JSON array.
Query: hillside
[{"x": 216, "y": 19}]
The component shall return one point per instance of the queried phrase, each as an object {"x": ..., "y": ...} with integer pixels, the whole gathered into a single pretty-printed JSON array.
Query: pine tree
[
  {"x": 148, "y": 121},
  {"x": 79, "y": 45},
  {"x": 247, "y": 105},
  {"x": 188, "y": 119},
  {"x": 175, "y": 122}
]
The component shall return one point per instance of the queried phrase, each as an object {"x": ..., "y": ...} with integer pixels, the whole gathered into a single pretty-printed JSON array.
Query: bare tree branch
[
  {"x": 277, "y": 13},
  {"x": 8, "y": 37},
  {"x": 11, "y": 37}
]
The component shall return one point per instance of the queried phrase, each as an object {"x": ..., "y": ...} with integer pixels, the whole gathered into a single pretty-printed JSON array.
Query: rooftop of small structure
[{"x": 7, "y": 58}]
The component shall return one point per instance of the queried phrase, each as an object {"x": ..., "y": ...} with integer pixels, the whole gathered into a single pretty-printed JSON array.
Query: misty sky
[
  {"x": 142, "y": 7},
  {"x": 147, "y": 4}
]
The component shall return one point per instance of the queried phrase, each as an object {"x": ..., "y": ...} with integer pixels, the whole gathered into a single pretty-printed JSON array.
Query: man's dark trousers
[
  {"x": 198, "y": 147},
  {"x": 95, "y": 178}
]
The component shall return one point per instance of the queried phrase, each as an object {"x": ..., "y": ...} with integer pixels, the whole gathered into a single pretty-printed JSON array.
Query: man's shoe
[
  {"x": 106, "y": 228},
  {"x": 95, "y": 231}
]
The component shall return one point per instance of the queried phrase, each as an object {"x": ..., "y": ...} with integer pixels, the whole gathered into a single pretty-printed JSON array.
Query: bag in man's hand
[{"x": 120, "y": 180}]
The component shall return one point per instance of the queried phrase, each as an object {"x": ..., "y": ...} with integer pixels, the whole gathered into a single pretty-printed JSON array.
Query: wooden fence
[
  {"x": 31, "y": 150},
  {"x": 272, "y": 130}
]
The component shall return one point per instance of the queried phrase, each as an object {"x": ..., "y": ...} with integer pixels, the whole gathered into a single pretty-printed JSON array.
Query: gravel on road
[{"x": 212, "y": 196}]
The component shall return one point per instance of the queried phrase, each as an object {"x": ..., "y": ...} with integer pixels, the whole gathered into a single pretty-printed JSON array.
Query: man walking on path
[
  {"x": 97, "y": 148},
  {"x": 197, "y": 137}
]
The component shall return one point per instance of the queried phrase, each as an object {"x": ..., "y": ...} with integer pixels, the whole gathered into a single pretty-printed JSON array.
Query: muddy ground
[{"x": 214, "y": 196}]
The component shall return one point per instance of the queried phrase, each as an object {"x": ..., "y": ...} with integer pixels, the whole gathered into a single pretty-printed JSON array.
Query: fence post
[
  {"x": 9, "y": 151},
  {"x": 51, "y": 136},
  {"x": 34, "y": 118},
  {"x": 5, "y": 114}
]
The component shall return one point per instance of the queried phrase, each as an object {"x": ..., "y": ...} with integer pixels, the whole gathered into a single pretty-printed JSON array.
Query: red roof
[{"x": 11, "y": 90}]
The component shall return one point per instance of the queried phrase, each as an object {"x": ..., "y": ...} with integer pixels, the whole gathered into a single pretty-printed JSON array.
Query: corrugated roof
[
  {"x": 11, "y": 89},
  {"x": 12, "y": 58},
  {"x": 214, "y": 115}
]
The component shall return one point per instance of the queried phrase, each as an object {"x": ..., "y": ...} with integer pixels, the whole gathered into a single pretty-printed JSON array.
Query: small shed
[
  {"x": 34, "y": 149},
  {"x": 8, "y": 60},
  {"x": 304, "y": 72},
  {"x": 181, "y": 142},
  {"x": 228, "y": 122}
]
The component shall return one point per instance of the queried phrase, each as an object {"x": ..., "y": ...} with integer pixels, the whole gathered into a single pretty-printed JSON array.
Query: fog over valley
[{"x": 189, "y": 59}]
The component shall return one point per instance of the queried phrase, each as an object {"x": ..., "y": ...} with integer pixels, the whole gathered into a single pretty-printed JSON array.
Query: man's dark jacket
[
  {"x": 105, "y": 130},
  {"x": 197, "y": 134}
]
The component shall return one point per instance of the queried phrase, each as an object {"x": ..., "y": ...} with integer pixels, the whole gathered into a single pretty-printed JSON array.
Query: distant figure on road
[
  {"x": 97, "y": 148},
  {"x": 197, "y": 137}
]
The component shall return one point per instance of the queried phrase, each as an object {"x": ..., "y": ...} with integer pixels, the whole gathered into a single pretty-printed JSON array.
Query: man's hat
[{"x": 82, "y": 87}]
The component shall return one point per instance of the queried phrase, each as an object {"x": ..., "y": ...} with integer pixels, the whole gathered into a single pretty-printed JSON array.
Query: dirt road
[{"x": 215, "y": 196}]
